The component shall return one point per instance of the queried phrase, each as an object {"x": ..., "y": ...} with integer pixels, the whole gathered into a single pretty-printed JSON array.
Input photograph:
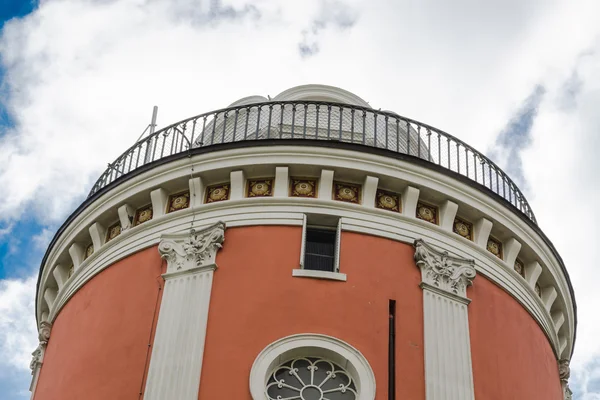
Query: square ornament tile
[
  {"x": 348, "y": 192},
  {"x": 179, "y": 201},
  {"x": 113, "y": 231},
  {"x": 217, "y": 193},
  {"x": 494, "y": 246},
  {"x": 89, "y": 250},
  {"x": 520, "y": 267},
  {"x": 463, "y": 228},
  {"x": 142, "y": 214},
  {"x": 387, "y": 200},
  {"x": 259, "y": 187},
  {"x": 303, "y": 187},
  {"x": 427, "y": 212}
]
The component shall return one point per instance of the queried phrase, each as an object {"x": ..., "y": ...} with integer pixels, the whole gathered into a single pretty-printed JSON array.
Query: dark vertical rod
[
  {"x": 392, "y": 352},
  {"x": 317, "y": 124}
]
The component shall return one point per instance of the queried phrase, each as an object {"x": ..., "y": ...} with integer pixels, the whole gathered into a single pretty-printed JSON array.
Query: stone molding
[
  {"x": 192, "y": 250},
  {"x": 564, "y": 372},
  {"x": 37, "y": 358},
  {"x": 442, "y": 271}
]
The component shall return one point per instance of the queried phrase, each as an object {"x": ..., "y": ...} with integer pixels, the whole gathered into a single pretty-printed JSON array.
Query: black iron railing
[{"x": 320, "y": 121}]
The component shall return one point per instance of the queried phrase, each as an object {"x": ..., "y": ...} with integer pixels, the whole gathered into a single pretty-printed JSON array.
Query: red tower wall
[{"x": 99, "y": 341}]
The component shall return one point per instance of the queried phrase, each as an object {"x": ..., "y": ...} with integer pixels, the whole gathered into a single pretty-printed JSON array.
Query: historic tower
[{"x": 305, "y": 247}]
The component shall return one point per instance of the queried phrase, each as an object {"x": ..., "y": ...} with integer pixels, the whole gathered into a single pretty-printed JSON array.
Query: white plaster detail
[
  {"x": 563, "y": 345},
  {"x": 532, "y": 273},
  {"x": 442, "y": 271},
  {"x": 338, "y": 246},
  {"x": 38, "y": 354},
  {"x": 481, "y": 232},
  {"x": 548, "y": 297},
  {"x": 98, "y": 235},
  {"x": 448, "y": 370},
  {"x": 281, "y": 182},
  {"x": 196, "y": 191},
  {"x": 159, "y": 198},
  {"x": 238, "y": 184},
  {"x": 564, "y": 372},
  {"x": 409, "y": 199},
  {"x": 315, "y": 345},
  {"x": 303, "y": 241},
  {"x": 511, "y": 250},
  {"x": 558, "y": 317},
  {"x": 50, "y": 296},
  {"x": 178, "y": 348},
  {"x": 76, "y": 253},
  {"x": 126, "y": 213},
  {"x": 309, "y": 273},
  {"x": 60, "y": 275},
  {"x": 448, "y": 214},
  {"x": 326, "y": 184},
  {"x": 193, "y": 250},
  {"x": 369, "y": 191}
]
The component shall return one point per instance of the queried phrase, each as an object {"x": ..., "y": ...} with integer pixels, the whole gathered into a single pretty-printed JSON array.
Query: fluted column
[
  {"x": 444, "y": 280},
  {"x": 178, "y": 348}
]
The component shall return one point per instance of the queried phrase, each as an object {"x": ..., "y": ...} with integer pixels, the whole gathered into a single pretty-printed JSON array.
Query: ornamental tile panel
[
  {"x": 520, "y": 267},
  {"x": 303, "y": 187},
  {"x": 463, "y": 228},
  {"x": 70, "y": 271},
  {"x": 217, "y": 193},
  {"x": 259, "y": 188},
  {"x": 538, "y": 290},
  {"x": 494, "y": 246},
  {"x": 348, "y": 192},
  {"x": 142, "y": 215},
  {"x": 113, "y": 231},
  {"x": 387, "y": 200},
  {"x": 427, "y": 212},
  {"x": 179, "y": 201},
  {"x": 89, "y": 250}
]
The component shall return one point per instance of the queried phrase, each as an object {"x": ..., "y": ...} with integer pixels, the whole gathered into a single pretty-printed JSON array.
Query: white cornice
[{"x": 286, "y": 211}]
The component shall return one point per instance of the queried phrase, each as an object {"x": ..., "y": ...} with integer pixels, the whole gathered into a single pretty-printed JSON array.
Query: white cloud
[
  {"x": 82, "y": 90},
  {"x": 18, "y": 334}
]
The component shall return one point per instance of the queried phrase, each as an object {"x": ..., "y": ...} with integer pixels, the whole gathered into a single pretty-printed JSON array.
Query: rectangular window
[{"x": 320, "y": 243}]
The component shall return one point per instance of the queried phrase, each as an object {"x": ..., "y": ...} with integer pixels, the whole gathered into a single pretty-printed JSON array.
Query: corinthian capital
[
  {"x": 192, "y": 250},
  {"x": 442, "y": 271}
]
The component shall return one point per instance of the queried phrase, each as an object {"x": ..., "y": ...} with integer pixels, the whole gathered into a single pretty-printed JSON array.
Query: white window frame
[
  {"x": 307, "y": 273},
  {"x": 312, "y": 345}
]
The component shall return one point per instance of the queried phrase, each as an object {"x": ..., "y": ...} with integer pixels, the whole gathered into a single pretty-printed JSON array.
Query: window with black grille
[{"x": 320, "y": 249}]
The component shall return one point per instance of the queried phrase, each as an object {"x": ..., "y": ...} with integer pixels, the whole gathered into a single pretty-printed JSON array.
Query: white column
[
  {"x": 159, "y": 198},
  {"x": 98, "y": 235},
  {"x": 409, "y": 198},
  {"x": 564, "y": 372},
  {"x": 326, "y": 184},
  {"x": 126, "y": 213},
  {"x": 177, "y": 352},
  {"x": 369, "y": 191},
  {"x": 238, "y": 185},
  {"x": 196, "y": 191},
  {"x": 448, "y": 371},
  {"x": 448, "y": 214},
  {"x": 281, "y": 182}
]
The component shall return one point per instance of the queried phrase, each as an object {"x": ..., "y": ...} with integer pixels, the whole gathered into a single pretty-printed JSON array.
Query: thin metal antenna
[
  {"x": 153, "y": 122},
  {"x": 152, "y": 126}
]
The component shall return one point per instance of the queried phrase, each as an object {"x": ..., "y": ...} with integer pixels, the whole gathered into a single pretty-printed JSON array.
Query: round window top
[{"x": 310, "y": 378}]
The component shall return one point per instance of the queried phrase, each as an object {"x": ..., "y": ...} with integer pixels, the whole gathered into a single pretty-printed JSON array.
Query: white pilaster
[
  {"x": 196, "y": 191},
  {"x": 481, "y": 232},
  {"x": 98, "y": 235},
  {"x": 548, "y": 297},
  {"x": 558, "y": 317},
  {"x": 238, "y": 184},
  {"x": 369, "y": 191},
  {"x": 281, "y": 182},
  {"x": 564, "y": 372},
  {"x": 447, "y": 214},
  {"x": 532, "y": 273},
  {"x": 60, "y": 275},
  {"x": 176, "y": 361},
  {"x": 159, "y": 199},
  {"x": 76, "y": 253},
  {"x": 326, "y": 185},
  {"x": 511, "y": 250},
  {"x": 448, "y": 370},
  {"x": 409, "y": 198},
  {"x": 50, "y": 296},
  {"x": 38, "y": 354}
]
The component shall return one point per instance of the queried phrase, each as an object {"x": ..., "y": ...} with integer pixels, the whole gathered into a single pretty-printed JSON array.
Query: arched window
[{"x": 311, "y": 367}]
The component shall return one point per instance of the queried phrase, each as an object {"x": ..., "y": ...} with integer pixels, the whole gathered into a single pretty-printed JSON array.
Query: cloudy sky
[{"x": 519, "y": 80}]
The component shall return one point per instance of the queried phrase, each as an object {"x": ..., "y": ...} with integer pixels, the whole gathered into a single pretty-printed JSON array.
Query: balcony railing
[{"x": 319, "y": 121}]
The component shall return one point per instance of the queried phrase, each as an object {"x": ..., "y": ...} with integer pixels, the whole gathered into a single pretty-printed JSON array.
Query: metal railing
[{"x": 319, "y": 121}]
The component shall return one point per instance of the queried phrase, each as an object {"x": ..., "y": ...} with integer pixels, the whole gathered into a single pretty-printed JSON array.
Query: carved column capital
[
  {"x": 441, "y": 271},
  {"x": 192, "y": 250},
  {"x": 564, "y": 372},
  {"x": 38, "y": 354}
]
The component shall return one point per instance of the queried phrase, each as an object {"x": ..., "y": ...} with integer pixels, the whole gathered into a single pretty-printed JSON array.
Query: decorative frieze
[
  {"x": 463, "y": 228},
  {"x": 494, "y": 246},
  {"x": 259, "y": 188},
  {"x": 217, "y": 193},
  {"x": 387, "y": 200},
  {"x": 178, "y": 201},
  {"x": 113, "y": 231},
  {"x": 303, "y": 187},
  {"x": 347, "y": 192},
  {"x": 427, "y": 212},
  {"x": 142, "y": 215}
]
